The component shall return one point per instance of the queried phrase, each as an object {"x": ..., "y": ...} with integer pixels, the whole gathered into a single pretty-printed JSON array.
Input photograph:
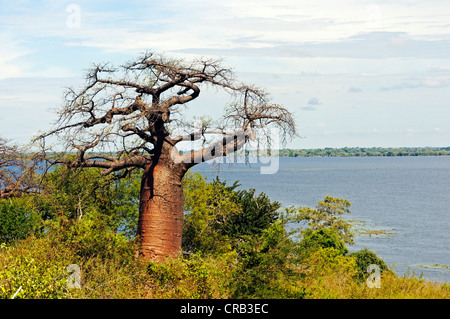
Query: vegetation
[
  {"x": 86, "y": 229},
  {"x": 367, "y": 151},
  {"x": 236, "y": 244},
  {"x": 18, "y": 220}
]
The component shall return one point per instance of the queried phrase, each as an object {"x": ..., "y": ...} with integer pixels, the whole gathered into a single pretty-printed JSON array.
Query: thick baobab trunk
[{"x": 160, "y": 223}]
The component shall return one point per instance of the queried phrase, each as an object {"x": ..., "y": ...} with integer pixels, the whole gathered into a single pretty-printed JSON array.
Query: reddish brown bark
[{"x": 160, "y": 223}]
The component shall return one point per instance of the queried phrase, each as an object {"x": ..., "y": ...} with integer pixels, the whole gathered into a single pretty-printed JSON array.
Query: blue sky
[{"x": 354, "y": 73}]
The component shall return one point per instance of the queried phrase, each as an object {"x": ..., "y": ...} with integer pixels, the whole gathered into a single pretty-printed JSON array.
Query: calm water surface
[{"x": 406, "y": 196}]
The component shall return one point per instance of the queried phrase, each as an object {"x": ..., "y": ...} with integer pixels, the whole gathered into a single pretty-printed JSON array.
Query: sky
[{"x": 354, "y": 73}]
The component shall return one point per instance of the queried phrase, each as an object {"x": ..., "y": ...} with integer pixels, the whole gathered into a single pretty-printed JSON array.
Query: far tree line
[{"x": 369, "y": 151}]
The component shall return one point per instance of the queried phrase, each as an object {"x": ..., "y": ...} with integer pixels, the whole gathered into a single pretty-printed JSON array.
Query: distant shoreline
[
  {"x": 329, "y": 152},
  {"x": 366, "y": 151}
]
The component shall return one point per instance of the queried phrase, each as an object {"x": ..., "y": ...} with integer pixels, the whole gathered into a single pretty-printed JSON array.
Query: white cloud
[
  {"x": 314, "y": 101},
  {"x": 282, "y": 27},
  {"x": 309, "y": 108},
  {"x": 11, "y": 50},
  {"x": 353, "y": 89},
  {"x": 435, "y": 82},
  {"x": 411, "y": 131},
  {"x": 321, "y": 48},
  {"x": 420, "y": 82}
]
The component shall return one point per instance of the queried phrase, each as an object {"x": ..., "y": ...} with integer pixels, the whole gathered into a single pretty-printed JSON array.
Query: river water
[{"x": 406, "y": 197}]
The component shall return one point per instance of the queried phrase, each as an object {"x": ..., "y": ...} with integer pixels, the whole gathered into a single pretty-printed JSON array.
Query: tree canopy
[{"x": 133, "y": 108}]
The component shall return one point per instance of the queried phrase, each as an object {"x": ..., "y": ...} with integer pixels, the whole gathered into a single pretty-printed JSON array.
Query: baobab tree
[{"x": 138, "y": 112}]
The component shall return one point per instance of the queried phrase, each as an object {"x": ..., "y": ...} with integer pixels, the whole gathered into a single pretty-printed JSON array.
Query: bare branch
[
  {"x": 17, "y": 171},
  {"x": 229, "y": 144},
  {"x": 141, "y": 133},
  {"x": 110, "y": 165},
  {"x": 130, "y": 110},
  {"x": 196, "y": 135}
]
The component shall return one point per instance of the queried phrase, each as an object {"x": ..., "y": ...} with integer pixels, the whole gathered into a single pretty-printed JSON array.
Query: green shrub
[
  {"x": 207, "y": 207},
  {"x": 321, "y": 238},
  {"x": 326, "y": 215},
  {"x": 72, "y": 193},
  {"x": 364, "y": 258},
  {"x": 18, "y": 220},
  {"x": 257, "y": 213},
  {"x": 37, "y": 266},
  {"x": 217, "y": 216},
  {"x": 196, "y": 277},
  {"x": 90, "y": 237},
  {"x": 328, "y": 274},
  {"x": 266, "y": 267}
]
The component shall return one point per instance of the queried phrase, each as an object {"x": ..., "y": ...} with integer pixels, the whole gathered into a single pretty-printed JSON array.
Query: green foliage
[
  {"x": 125, "y": 203},
  {"x": 266, "y": 268},
  {"x": 90, "y": 236},
  {"x": 238, "y": 245},
  {"x": 257, "y": 214},
  {"x": 218, "y": 216},
  {"x": 328, "y": 274},
  {"x": 326, "y": 215},
  {"x": 39, "y": 266},
  {"x": 36, "y": 266},
  {"x": 195, "y": 277},
  {"x": 18, "y": 220},
  {"x": 321, "y": 238},
  {"x": 221, "y": 219},
  {"x": 81, "y": 218},
  {"x": 364, "y": 258},
  {"x": 71, "y": 193},
  {"x": 208, "y": 207}
]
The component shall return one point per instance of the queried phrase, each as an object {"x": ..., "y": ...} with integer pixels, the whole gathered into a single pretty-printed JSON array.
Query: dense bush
[
  {"x": 71, "y": 193},
  {"x": 208, "y": 206},
  {"x": 321, "y": 238},
  {"x": 364, "y": 258},
  {"x": 257, "y": 213},
  {"x": 18, "y": 220},
  {"x": 267, "y": 266},
  {"x": 219, "y": 216},
  {"x": 36, "y": 266},
  {"x": 236, "y": 246},
  {"x": 327, "y": 215},
  {"x": 90, "y": 236}
]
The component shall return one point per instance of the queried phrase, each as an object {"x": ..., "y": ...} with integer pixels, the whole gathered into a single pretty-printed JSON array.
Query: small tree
[
  {"x": 136, "y": 112},
  {"x": 364, "y": 258},
  {"x": 16, "y": 171},
  {"x": 258, "y": 213},
  {"x": 18, "y": 219},
  {"x": 326, "y": 214}
]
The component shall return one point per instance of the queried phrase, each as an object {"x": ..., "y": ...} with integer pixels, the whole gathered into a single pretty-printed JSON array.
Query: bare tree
[
  {"x": 17, "y": 171},
  {"x": 138, "y": 113}
]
